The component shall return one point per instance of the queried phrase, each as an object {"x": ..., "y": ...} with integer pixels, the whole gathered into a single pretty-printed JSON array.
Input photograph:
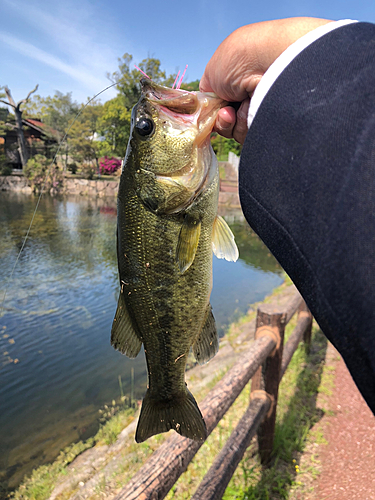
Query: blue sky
[{"x": 70, "y": 45}]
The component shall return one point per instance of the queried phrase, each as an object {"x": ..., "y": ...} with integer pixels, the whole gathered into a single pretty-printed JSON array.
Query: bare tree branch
[
  {"x": 7, "y": 103},
  {"x": 18, "y": 114},
  {"x": 31, "y": 92},
  {"x": 10, "y": 98},
  {"x": 24, "y": 101}
]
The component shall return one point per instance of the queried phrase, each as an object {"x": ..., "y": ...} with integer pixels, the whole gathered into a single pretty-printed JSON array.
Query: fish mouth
[
  {"x": 178, "y": 100},
  {"x": 183, "y": 110},
  {"x": 195, "y": 108}
]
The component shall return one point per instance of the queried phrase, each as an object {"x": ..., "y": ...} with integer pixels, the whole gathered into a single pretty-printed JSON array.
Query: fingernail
[{"x": 223, "y": 124}]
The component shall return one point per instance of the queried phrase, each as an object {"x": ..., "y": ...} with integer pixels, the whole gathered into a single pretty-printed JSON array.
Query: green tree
[
  {"x": 4, "y": 114},
  {"x": 85, "y": 137},
  {"x": 128, "y": 79},
  {"x": 191, "y": 86},
  {"x": 57, "y": 113},
  {"x": 114, "y": 126},
  {"x": 223, "y": 146},
  {"x": 43, "y": 175},
  {"x": 5, "y": 167}
]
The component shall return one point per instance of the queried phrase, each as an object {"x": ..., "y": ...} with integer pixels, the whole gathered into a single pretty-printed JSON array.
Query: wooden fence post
[
  {"x": 270, "y": 322},
  {"x": 303, "y": 311}
]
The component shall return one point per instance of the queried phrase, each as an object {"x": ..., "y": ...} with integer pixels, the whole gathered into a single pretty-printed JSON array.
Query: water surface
[{"x": 57, "y": 368}]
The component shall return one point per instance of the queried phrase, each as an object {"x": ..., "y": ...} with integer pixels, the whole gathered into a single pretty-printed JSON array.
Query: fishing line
[{"x": 41, "y": 193}]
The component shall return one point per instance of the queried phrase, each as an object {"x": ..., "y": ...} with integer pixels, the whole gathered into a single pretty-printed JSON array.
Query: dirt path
[{"x": 347, "y": 461}]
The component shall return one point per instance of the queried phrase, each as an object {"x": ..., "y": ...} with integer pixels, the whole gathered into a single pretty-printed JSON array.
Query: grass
[
  {"x": 296, "y": 429},
  {"x": 42, "y": 481},
  {"x": 108, "y": 433},
  {"x": 297, "y": 412}
]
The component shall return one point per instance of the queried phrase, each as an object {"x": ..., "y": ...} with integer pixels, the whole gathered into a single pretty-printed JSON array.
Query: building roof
[
  {"x": 37, "y": 125},
  {"x": 40, "y": 126}
]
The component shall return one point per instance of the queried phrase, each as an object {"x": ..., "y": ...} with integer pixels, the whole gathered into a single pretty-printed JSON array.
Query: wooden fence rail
[{"x": 265, "y": 363}]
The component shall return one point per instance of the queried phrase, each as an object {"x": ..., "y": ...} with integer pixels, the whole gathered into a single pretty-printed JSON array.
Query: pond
[{"x": 57, "y": 368}]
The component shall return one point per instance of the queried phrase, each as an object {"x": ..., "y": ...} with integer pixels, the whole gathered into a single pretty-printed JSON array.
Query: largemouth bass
[{"x": 167, "y": 229}]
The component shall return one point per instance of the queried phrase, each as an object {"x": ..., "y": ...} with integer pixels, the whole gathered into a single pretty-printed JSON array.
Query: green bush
[
  {"x": 5, "y": 169},
  {"x": 43, "y": 175},
  {"x": 5, "y": 166},
  {"x": 72, "y": 167},
  {"x": 88, "y": 171}
]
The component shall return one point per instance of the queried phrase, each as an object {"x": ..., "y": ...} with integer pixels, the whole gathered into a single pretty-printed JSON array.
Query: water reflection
[{"x": 57, "y": 367}]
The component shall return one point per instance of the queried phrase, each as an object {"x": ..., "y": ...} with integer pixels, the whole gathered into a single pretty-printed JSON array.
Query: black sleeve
[{"x": 307, "y": 187}]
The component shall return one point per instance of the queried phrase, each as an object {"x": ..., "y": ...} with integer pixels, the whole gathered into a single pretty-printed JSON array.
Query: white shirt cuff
[{"x": 278, "y": 66}]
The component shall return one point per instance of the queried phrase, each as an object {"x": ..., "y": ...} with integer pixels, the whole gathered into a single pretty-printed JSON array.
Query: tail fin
[{"x": 181, "y": 414}]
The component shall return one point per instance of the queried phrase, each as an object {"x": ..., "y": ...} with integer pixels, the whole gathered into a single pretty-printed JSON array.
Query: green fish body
[{"x": 167, "y": 229}]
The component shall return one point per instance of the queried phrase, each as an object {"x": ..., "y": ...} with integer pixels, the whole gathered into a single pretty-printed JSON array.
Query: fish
[{"x": 167, "y": 229}]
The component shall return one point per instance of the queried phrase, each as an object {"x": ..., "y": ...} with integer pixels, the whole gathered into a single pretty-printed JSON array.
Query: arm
[{"x": 307, "y": 184}]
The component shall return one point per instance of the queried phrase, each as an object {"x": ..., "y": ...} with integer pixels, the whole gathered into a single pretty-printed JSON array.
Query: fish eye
[{"x": 145, "y": 127}]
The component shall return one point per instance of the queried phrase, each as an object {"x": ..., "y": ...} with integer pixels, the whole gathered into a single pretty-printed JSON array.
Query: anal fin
[
  {"x": 123, "y": 336},
  {"x": 207, "y": 343}
]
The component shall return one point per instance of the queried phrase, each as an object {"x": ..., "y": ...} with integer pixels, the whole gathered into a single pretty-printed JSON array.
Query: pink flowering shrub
[{"x": 108, "y": 166}]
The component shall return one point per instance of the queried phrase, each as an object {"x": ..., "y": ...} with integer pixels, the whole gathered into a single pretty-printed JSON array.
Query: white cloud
[
  {"x": 66, "y": 36},
  {"x": 29, "y": 50},
  {"x": 72, "y": 30}
]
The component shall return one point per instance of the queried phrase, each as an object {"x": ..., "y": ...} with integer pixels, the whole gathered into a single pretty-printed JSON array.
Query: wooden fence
[{"x": 265, "y": 363}]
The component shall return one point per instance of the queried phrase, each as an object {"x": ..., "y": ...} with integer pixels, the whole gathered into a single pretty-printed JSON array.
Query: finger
[
  {"x": 240, "y": 128},
  {"x": 225, "y": 122},
  {"x": 204, "y": 84}
]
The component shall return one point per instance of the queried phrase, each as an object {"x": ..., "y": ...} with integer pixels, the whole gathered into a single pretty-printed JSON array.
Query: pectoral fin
[
  {"x": 123, "y": 336},
  {"x": 223, "y": 244},
  {"x": 188, "y": 243},
  {"x": 207, "y": 343}
]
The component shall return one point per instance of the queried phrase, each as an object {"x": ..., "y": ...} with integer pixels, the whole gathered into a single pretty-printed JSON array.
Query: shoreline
[
  {"x": 79, "y": 469},
  {"x": 99, "y": 188},
  {"x": 108, "y": 187}
]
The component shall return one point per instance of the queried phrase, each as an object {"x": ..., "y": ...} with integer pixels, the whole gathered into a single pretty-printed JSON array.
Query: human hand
[{"x": 241, "y": 60}]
